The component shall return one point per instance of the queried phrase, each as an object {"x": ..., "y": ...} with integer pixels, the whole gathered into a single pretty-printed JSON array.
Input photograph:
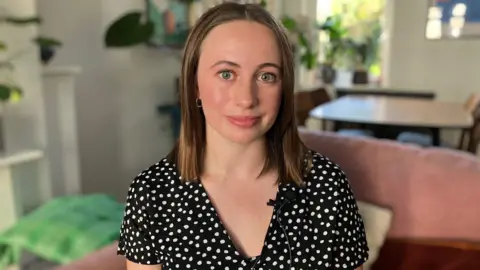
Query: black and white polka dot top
[{"x": 174, "y": 224}]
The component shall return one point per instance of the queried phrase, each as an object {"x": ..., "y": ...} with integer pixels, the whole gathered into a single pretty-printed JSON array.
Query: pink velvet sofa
[{"x": 434, "y": 194}]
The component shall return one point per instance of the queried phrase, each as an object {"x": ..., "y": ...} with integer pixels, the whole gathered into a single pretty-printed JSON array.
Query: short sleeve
[
  {"x": 350, "y": 246},
  {"x": 135, "y": 241}
]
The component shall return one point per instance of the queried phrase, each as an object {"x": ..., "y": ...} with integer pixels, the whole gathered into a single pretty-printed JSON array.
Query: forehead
[{"x": 243, "y": 42}]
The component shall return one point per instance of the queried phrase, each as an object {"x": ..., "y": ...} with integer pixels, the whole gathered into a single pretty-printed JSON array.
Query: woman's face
[{"x": 239, "y": 80}]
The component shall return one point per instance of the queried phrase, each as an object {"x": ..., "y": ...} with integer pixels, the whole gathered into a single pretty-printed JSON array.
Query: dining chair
[
  {"x": 305, "y": 101},
  {"x": 474, "y": 132}
]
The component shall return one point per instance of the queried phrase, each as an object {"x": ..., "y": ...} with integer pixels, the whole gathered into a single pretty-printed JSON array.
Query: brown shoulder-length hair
[{"x": 285, "y": 152}]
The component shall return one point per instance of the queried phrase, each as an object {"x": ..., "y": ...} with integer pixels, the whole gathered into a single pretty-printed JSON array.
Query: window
[{"x": 362, "y": 19}]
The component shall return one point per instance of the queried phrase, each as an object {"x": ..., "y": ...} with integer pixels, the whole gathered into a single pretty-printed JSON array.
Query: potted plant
[
  {"x": 48, "y": 47},
  {"x": 152, "y": 26},
  {"x": 335, "y": 45},
  {"x": 128, "y": 30},
  {"x": 9, "y": 90},
  {"x": 365, "y": 53}
]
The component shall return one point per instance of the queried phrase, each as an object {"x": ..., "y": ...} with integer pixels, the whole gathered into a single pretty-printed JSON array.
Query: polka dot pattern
[{"x": 174, "y": 224}]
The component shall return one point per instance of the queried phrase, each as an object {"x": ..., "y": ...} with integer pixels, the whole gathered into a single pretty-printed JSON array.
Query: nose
[{"x": 245, "y": 94}]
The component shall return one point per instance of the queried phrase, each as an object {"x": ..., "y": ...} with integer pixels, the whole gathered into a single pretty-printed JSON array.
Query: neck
[{"x": 229, "y": 160}]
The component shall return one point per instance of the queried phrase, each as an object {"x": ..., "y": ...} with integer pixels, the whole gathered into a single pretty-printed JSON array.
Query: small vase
[
  {"x": 360, "y": 76},
  {"x": 46, "y": 54},
  {"x": 329, "y": 74}
]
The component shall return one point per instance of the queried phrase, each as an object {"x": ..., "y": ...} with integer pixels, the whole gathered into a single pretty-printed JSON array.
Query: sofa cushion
[
  {"x": 63, "y": 229},
  {"x": 377, "y": 222}
]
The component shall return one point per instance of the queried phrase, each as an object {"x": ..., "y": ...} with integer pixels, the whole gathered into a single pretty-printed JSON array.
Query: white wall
[
  {"x": 120, "y": 131},
  {"x": 449, "y": 67}
]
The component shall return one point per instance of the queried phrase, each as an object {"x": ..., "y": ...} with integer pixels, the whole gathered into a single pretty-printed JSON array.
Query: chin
[{"x": 244, "y": 136}]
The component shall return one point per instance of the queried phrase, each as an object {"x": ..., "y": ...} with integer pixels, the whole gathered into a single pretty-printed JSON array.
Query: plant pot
[
  {"x": 46, "y": 54},
  {"x": 329, "y": 74},
  {"x": 360, "y": 77}
]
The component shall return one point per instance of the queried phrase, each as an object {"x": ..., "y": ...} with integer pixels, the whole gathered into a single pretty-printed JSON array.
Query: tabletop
[{"x": 396, "y": 111}]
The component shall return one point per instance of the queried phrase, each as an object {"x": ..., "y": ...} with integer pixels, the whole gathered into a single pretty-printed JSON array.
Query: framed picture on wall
[
  {"x": 453, "y": 19},
  {"x": 171, "y": 22},
  {"x": 172, "y": 19}
]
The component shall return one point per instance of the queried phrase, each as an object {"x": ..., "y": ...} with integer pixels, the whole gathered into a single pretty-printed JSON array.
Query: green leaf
[
  {"x": 128, "y": 30},
  {"x": 289, "y": 23},
  {"x": 3, "y": 46},
  {"x": 5, "y": 91},
  {"x": 10, "y": 92},
  {"x": 263, "y": 3},
  {"x": 303, "y": 41},
  {"x": 16, "y": 94},
  {"x": 47, "y": 42},
  {"x": 23, "y": 21},
  {"x": 309, "y": 59}
]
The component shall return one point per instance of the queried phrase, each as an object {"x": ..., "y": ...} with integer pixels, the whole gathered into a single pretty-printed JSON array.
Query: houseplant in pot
[
  {"x": 47, "y": 45},
  {"x": 336, "y": 43},
  {"x": 365, "y": 53}
]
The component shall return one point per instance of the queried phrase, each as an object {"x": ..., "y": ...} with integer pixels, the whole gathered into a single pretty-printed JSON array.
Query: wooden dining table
[{"x": 396, "y": 111}]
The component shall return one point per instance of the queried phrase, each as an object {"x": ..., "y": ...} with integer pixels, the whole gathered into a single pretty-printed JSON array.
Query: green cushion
[{"x": 64, "y": 229}]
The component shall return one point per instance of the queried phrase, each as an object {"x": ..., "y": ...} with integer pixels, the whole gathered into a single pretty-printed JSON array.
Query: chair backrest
[
  {"x": 472, "y": 102},
  {"x": 305, "y": 101},
  {"x": 474, "y": 135}
]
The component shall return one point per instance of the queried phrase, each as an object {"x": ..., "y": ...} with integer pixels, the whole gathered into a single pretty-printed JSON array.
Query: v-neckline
[{"x": 224, "y": 230}]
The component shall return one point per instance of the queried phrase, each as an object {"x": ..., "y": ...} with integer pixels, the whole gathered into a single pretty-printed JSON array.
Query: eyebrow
[{"x": 230, "y": 63}]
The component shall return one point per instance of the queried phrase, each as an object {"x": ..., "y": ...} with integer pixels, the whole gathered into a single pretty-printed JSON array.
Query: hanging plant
[
  {"x": 9, "y": 90},
  {"x": 128, "y": 30}
]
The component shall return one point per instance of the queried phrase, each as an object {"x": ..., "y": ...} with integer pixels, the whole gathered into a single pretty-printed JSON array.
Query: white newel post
[{"x": 62, "y": 144}]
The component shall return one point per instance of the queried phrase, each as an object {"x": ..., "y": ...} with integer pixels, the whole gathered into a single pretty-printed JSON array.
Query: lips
[{"x": 244, "y": 121}]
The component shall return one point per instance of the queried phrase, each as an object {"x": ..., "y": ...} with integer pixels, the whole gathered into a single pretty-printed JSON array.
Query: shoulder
[
  {"x": 153, "y": 180},
  {"x": 326, "y": 179},
  {"x": 322, "y": 168}
]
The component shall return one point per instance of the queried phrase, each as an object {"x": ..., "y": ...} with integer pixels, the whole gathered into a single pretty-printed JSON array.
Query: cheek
[
  {"x": 271, "y": 100},
  {"x": 213, "y": 94}
]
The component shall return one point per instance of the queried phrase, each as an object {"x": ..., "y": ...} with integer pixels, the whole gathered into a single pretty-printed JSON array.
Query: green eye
[
  {"x": 267, "y": 77},
  {"x": 226, "y": 75}
]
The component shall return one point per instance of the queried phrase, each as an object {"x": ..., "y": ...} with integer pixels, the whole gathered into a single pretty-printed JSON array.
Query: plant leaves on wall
[
  {"x": 128, "y": 30},
  {"x": 11, "y": 91}
]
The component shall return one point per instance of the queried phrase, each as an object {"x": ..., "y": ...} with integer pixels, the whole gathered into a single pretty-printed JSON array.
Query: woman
[{"x": 239, "y": 190}]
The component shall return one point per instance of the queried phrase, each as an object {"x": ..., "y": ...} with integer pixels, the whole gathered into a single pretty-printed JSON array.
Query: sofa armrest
[{"x": 105, "y": 258}]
